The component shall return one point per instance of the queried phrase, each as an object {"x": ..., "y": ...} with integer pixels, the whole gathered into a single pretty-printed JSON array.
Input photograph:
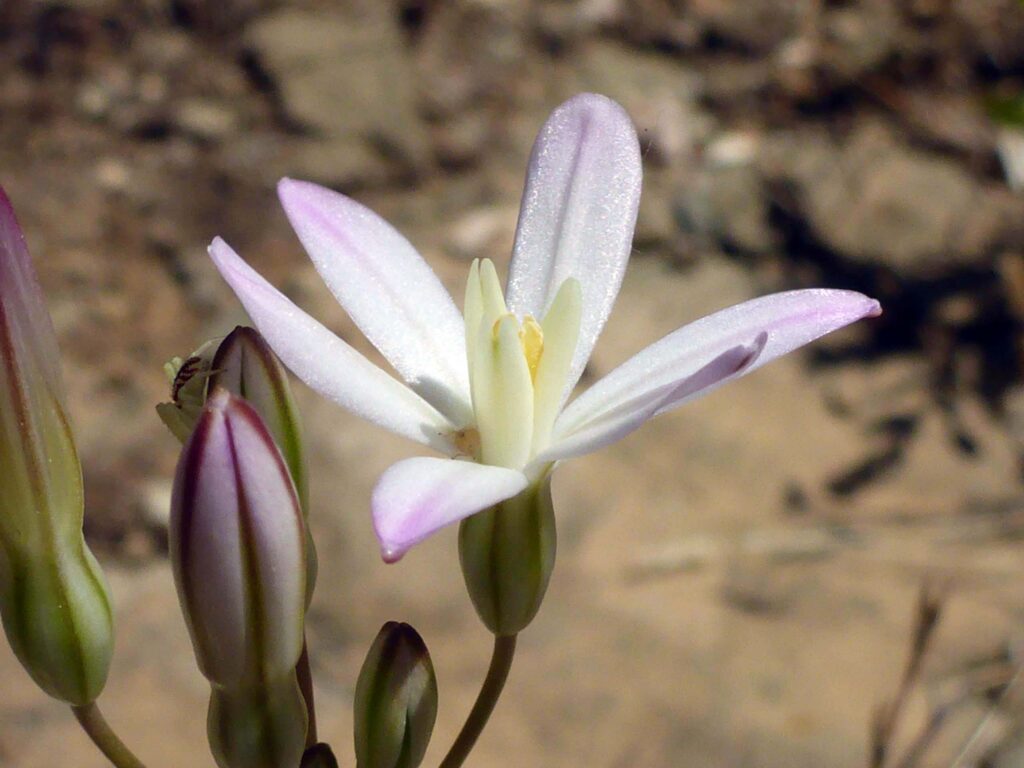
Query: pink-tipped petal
[
  {"x": 326, "y": 363},
  {"x": 388, "y": 290},
  {"x": 417, "y": 497},
  {"x": 578, "y": 212},
  {"x": 782, "y": 321},
  {"x": 615, "y": 423}
]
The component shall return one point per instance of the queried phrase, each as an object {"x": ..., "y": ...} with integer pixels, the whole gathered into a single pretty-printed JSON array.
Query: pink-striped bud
[
  {"x": 244, "y": 365},
  {"x": 237, "y": 545}
]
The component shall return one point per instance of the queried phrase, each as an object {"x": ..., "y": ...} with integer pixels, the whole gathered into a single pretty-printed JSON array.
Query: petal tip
[
  {"x": 391, "y": 550},
  {"x": 230, "y": 265},
  {"x": 592, "y": 102},
  {"x": 288, "y": 187},
  {"x": 296, "y": 194},
  {"x": 217, "y": 248}
]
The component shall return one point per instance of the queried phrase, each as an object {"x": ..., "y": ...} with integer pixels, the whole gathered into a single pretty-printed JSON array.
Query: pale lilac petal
[
  {"x": 389, "y": 291},
  {"x": 577, "y": 216},
  {"x": 326, "y": 363},
  {"x": 615, "y": 423},
  {"x": 417, "y": 497},
  {"x": 787, "y": 320}
]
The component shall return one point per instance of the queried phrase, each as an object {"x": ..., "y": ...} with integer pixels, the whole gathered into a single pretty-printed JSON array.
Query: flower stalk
[
  {"x": 494, "y": 683},
  {"x": 103, "y": 736}
]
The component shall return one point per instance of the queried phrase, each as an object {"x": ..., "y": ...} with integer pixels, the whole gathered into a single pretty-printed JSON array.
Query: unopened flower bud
[
  {"x": 237, "y": 546},
  {"x": 54, "y": 600},
  {"x": 396, "y": 700},
  {"x": 245, "y": 366},
  {"x": 319, "y": 756},
  {"x": 507, "y": 554}
]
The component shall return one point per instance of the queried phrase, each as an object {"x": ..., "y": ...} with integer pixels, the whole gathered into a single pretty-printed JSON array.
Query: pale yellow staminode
[{"x": 517, "y": 369}]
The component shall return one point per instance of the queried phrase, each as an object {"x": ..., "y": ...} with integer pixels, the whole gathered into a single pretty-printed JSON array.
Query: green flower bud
[
  {"x": 507, "y": 554},
  {"x": 54, "y": 601},
  {"x": 396, "y": 700},
  {"x": 319, "y": 756}
]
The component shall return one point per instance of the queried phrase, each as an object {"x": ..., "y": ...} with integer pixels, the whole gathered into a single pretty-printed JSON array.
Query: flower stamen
[{"x": 531, "y": 336}]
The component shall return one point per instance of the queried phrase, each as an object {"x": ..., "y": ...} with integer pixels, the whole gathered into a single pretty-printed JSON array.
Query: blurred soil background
[{"x": 737, "y": 581}]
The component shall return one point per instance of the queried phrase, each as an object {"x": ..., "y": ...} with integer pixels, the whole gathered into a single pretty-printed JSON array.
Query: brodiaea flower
[{"x": 490, "y": 387}]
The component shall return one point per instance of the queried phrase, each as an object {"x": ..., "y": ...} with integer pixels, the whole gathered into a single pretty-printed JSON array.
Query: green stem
[
  {"x": 306, "y": 686},
  {"x": 497, "y": 674},
  {"x": 103, "y": 736}
]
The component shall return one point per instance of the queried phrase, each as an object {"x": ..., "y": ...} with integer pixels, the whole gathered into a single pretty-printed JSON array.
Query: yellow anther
[{"x": 531, "y": 336}]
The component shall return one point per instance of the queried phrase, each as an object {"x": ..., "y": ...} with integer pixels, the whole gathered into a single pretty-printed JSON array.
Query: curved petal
[
  {"x": 389, "y": 291},
  {"x": 577, "y": 216},
  {"x": 616, "y": 422},
  {"x": 326, "y": 363},
  {"x": 417, "y": 497},
  {"x": 700, "y": 353}
]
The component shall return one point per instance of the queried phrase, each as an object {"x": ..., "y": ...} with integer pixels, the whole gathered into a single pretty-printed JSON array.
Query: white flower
[{"x": 491, "y": 386}]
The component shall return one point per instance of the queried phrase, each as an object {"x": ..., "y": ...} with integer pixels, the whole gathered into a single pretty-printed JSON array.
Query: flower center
[
  {"x": 531, "y": 337},
  {"x": 518, "y": 371}
]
